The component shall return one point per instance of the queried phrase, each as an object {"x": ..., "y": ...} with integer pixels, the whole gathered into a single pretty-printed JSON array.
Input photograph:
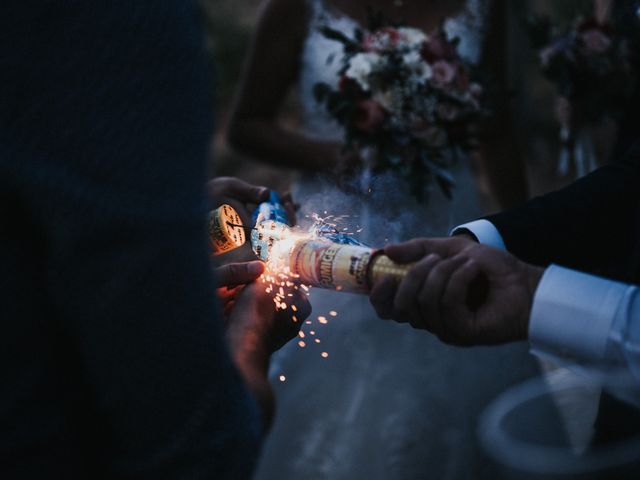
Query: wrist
[{"x": 251, "y": 358}]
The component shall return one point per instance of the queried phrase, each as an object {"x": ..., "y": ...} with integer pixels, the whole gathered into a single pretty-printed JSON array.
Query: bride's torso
[{"x": 398, "y": 211}]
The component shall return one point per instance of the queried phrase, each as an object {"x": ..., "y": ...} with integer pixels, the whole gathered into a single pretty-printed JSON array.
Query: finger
[
  {"x": 382, "y": 295},
  {"x": 458, "y": 287},
  {"x": 416, "y": 249},
  {"x": 430, "y": 296},
  {"x": 405, "y": 302},
  {"x": 228, "y": 308},
  {"x": 237, "y": 189},
  {"x": 454, "y": 300},
  {"x": 226, "y": 294},
  {"x": 234, "y": 274}
]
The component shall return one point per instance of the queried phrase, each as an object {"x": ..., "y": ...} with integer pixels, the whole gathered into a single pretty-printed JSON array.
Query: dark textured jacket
[
  {"x": 592, "y": 225},
  {"x": 112, "y": 360}
]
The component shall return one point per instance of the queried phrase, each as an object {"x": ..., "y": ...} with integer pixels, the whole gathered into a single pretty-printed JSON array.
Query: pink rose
[
  {"x": 595, "y": 41},
  {"x": 444, "y": 73},
  {"x": 369, "y": 116}
]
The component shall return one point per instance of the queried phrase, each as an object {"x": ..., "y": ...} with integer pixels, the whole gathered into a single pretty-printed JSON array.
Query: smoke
[{"x": 381, "y": 206}]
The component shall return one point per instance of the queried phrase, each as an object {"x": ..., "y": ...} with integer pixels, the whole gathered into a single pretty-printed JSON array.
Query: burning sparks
[{"x": 274, "y": 243}]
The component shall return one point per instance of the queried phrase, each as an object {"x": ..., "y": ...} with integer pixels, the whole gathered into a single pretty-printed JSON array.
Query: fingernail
[{"x": 255, "y": 268}]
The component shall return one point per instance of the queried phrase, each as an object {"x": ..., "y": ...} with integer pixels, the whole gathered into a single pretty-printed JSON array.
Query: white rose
[
  {"x": 412, "y": 37},
  {"x": 412, "y": 58},
  {"x": 360, "y": 66},
  {"x": 420, "y": 70}
]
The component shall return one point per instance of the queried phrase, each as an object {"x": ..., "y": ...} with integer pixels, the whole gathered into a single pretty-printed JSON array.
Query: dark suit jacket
[
  {"x": 112, "y": 359},
  {"x": 592, "y": 225}
]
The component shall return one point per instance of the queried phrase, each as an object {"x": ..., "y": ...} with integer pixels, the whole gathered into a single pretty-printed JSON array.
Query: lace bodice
[{"x": 321, "y": 57}]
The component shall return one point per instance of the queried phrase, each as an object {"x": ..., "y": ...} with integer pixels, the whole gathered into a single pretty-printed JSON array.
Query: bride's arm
[
  {"x": 272, "y": 69},
  {"x": 500, "y": 152}
]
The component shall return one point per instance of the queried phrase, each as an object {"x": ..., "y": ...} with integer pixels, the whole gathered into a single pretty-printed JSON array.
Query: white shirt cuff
[
  {"x": 573, "y": 313},
  {"x": 485, "y": 232}
]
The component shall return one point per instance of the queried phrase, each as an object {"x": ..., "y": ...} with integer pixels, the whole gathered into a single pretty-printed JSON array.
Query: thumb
[{"x": 234, "y": 274}]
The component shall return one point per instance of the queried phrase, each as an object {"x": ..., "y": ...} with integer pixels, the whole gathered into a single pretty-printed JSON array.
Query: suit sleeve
[{"x": 590, "y": 225}]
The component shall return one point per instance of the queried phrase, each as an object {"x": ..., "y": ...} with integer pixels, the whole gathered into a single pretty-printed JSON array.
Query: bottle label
[{"x": 328, "y": 265}]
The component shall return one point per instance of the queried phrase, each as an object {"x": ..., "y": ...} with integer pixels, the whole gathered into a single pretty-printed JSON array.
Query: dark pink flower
[
  {"x": 444, "y": 73},
  {"x": 369, "y": 116}
]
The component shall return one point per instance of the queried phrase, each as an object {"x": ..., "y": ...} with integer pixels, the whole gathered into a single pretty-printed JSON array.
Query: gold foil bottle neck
[
  {"x": 382, "y": 266},
  {"x": 226, "y": 230}
]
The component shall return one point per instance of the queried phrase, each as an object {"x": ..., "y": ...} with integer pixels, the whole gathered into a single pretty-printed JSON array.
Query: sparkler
[{"x": 321, "y": 257}]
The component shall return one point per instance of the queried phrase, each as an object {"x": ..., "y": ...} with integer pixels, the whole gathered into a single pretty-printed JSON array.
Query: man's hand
[
  {"x": 436, "y": 294},
  {"x": 232, "y": 278}
]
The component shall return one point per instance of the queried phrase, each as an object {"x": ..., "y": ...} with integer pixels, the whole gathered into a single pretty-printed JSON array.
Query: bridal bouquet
[{"x": 406, "y": 97}]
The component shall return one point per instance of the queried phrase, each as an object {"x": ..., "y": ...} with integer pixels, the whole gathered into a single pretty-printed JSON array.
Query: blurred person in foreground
[{"x": 114, "y": 357}]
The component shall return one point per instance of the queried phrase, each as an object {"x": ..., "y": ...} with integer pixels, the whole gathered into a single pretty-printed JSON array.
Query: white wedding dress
[{"x": 388, "y": 402}]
